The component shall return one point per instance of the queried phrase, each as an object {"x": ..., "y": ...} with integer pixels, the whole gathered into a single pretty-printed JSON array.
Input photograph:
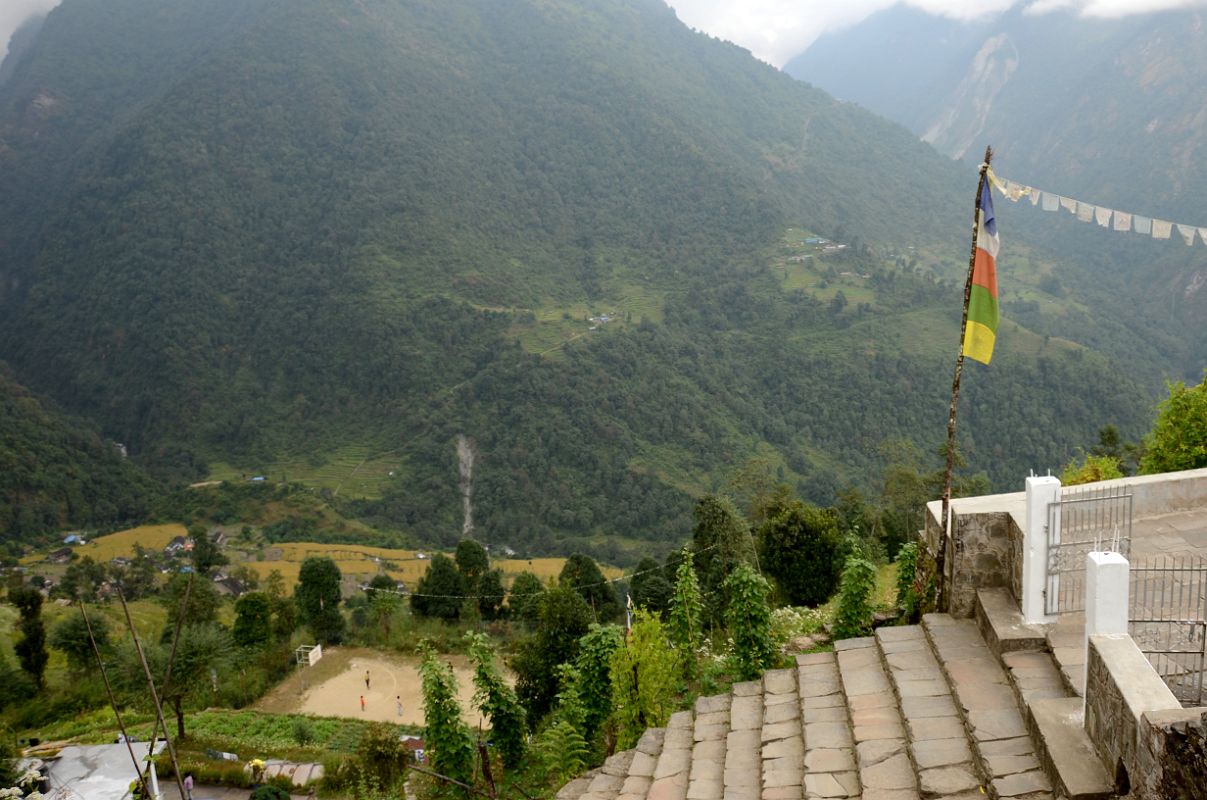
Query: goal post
[{"x": 308, "y": 654}]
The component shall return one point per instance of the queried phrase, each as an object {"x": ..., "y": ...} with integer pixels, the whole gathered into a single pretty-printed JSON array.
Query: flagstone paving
[{"x": 924, "y": 712}]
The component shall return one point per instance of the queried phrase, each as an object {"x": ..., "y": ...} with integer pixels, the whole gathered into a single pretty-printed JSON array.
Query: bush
[
  {"x": 854, "y": 615},
  {"x": 269, "y": 791},
  {"x": 907, "y": 582},
  {"x": 1092, "y": 469},
  {"x": 748, "y": 617},
  {"x": 801, "y": 548},
  {"x": 303, "y": 731}
]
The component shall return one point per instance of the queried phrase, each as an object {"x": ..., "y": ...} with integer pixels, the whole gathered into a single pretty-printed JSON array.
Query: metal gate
[
  {"x": 1168, "y": 622},
  {"x": 1082, "y": 521}
]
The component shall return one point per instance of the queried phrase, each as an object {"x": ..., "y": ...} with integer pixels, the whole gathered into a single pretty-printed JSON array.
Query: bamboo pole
[
  {"x": 945, "y": 517},
  {"x": 113, "y": 702},
  {"x": 154, "y": 694}
]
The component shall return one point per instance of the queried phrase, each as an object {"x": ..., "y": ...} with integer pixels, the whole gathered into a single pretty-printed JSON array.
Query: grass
[{"x": 350, "y": 471}]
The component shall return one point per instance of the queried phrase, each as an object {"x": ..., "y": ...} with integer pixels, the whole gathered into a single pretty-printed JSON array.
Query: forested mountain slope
[
  {"x": 239, "y": 230},
  {"x": 1108, "y": 111},
  {"x": 55, "y": 473}
]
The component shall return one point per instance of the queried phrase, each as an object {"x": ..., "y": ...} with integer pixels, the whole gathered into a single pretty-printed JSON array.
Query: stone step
[
  {"x": 609, "y": 777},
  {"x": 674, "y": 762},
  {"x": 877, "y": 732},
  {"x": 998, "y": 733},
  {"x": 1034, "y": 676},
  {"x": 645, "y": 760},
  {"x": 1066, "y": 751},
  {"x": 830, "y": 767},
  {"x": 938, "y": 741},
  {"x": 708, "y": 748},
  {"x": 742, "y": 777},
  {"x": 1002, "y": 624},
  {"x": 782, "y": 737}
]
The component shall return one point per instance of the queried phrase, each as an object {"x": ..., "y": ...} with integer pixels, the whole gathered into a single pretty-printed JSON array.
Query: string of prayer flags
[{"x": 1122, "y": 221}]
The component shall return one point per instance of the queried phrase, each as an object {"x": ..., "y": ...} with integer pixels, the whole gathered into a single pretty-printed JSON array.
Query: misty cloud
[
  {"x": 14, "y": 12},
  {"x": 777, "y": 30}
]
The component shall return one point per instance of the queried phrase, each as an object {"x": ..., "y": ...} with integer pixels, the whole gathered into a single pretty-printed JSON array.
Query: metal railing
[
  {"x": 1082, "y": 521},
  {"x": 1168, "y": 622}
]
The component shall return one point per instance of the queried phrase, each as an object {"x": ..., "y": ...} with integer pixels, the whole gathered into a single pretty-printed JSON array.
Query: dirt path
[{"x": 334, "y": 687}]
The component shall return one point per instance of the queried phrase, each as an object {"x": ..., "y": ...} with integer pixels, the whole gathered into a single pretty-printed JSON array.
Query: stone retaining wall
[
  {"x": 1139, "y": 730},
  {"x": 980, "y": 556}
]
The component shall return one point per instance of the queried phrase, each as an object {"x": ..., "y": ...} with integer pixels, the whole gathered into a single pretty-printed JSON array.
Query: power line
[{"x": 406, "y": 593}]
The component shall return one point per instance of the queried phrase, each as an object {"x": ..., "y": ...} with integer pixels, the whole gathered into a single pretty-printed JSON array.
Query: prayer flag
[
  {"x": 1187, "y": 232},
  {"x": 980, "y": 332}
]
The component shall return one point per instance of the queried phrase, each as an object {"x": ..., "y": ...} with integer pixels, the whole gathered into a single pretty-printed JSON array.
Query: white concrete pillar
[
  {"x": 1042, "y": 491},
  {"x": 1106, "y": 598}
]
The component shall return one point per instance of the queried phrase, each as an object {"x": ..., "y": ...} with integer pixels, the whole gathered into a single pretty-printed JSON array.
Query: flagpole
[{"x": 945, "y": 517}]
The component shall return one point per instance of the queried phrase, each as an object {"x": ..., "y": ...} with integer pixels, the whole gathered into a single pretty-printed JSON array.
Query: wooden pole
[
  {"x": 945, "y": 517},
  {"x": 117, "y": 714},
  {"x": 154, "y": 695}
]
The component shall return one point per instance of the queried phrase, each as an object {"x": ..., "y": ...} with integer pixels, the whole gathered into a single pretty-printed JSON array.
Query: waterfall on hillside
[{"x": 465, "y": 456}]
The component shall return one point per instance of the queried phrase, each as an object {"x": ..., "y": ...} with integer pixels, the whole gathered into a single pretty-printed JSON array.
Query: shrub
[
  {"x": 269, "y": 791},
  {"x": 1092, "y": 469},
  {"x": 303, "y": 731},
  {"x": 854, "y": 615},
  {"x": 748, "y": 616}
]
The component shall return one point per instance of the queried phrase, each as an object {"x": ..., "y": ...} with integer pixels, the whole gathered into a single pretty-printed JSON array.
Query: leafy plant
[
  {"x": 907, "y": 582},
  {"x": 1091, "y": 469},
  {"x": 497, "y": 700},
  {"x": 854, "y": 614},
  {"x": 748, "y": 617},
  {"x": 644, "y": 679},
  {"x": 685, "y": 622},
  {"x": 594, "y": 666},
  {"x": 446, "y": 737},
  {"x": 1178, "y": 439}
]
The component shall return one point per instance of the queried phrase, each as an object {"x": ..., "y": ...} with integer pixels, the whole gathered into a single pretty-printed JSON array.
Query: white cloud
[
  {"x": 14, "y": 12},
  {"x": 777, "y": 30},
  {"x": 1112, "y": 8}
]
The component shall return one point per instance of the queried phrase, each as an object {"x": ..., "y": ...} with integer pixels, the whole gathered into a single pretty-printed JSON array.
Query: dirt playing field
[{"x": 334, "y": 686}]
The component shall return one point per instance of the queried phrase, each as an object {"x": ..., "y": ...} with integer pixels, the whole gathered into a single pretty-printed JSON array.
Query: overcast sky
[
  {"x": 774, "y": 30},
  {"x": 777, "y": 30}
]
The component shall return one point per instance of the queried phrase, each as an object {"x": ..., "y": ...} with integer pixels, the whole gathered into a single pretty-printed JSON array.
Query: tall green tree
[
  {"x": 441, "y": 591},
  {"x": 649, "y": 587},
  {"x": 253, "y": 620},
  {"x": 491, "y": 594},
  {"x": 203, "y": 601},
  {"x": 31, "y": 647},
  {"x": 318, "y": 598},
  {"x": 70, "y": 637},
  {"x": 1178, "y": 439},
  {"x": 524, "y": 599},
  {"x": 721, "y": 540},
  {"x": 472, "y": 561},
  {"x": 206, "y": 555},
  {"x": 565, "y": 618},
  {"x": 582, "y": 573},
  {"x": 801, "y": 548}
]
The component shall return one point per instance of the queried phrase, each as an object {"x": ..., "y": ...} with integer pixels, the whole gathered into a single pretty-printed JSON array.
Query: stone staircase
[{"x": 924, "y": 712}]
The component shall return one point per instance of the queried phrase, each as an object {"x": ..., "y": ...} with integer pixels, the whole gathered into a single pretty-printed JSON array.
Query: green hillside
[
  {"x": 55, "y": 473},
  {"x": 276, "y": 236}
]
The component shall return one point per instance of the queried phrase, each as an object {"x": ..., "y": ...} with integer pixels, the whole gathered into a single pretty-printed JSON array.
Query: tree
[
  {"x": 649, "y": 587},
  {"x": 644, "y": 677},
  {"x": 685, "y": 627},
  {"x": 82, "y": 579},
  {"x": 70, "y": 637},
  {"x": 31, "y": 647},
  {"x": 203, "y": 654},
  {"x": 582, "y": 573},
  {"x": 206, "y": 554},
  {"x": 497, "y": 700},
  {"x": 284, "y": 610},
  {"x": 1178, "y": 439},
  {"x": 524, "y": 599},
  {"x": 472, "y": 561},
  {"x": 491, "y": 594},
  {"x": 440, "y": 591},
  {"x": 253, "y": 620},
  {"x": 138, "y": 579},
  {"x": 564, "y": 619},
  {"x": 203, "y": 604},
  {"x": 748, "y": 616},
  {"x": 384, "y": 601},
  {"x": 801, "y": 548},
  {"x": 318, "y": 596},
  {"x": 721, "y": 541},
  {"x": 447, "y": 739},
  {"x": 1091, "y": 470}
]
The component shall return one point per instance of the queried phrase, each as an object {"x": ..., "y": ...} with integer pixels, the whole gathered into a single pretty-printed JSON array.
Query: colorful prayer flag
[{"x": 981, "y": 330}]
